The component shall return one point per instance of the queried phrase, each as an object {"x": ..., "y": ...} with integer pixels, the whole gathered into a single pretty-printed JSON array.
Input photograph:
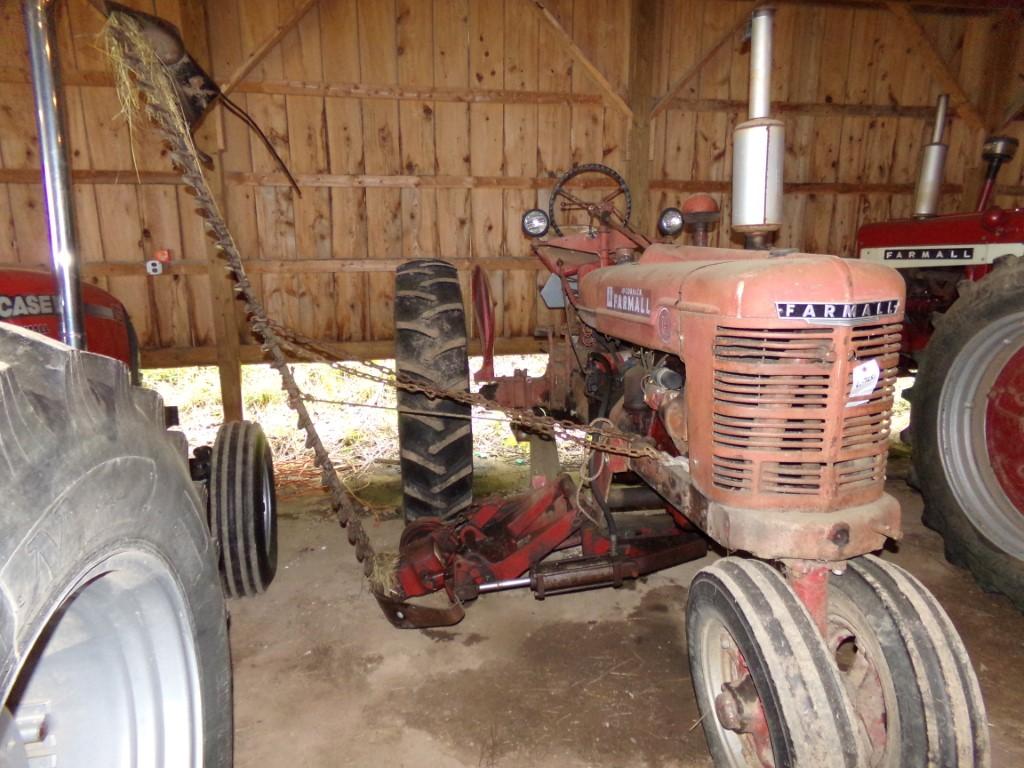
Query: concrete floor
[{"x": 593, "y": 679}]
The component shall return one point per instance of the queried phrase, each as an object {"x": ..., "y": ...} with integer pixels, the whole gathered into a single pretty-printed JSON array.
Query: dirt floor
[{"x": 593, "y": 679}]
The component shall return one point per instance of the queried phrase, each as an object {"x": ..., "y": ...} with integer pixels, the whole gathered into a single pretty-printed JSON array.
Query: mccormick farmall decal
[{"x": 632, "y": 301}]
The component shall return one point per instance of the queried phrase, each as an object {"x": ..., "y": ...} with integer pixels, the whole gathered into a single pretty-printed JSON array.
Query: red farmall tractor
[
  {"x": 738, "y": 398},
  {"x": 964, "y": 337}
]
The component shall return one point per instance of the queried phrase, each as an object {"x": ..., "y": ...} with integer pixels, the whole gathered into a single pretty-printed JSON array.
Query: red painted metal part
[
  {"x": 497, "y": 541},
  {"x": 995, "y": 225},
  {"x": 503, "y": 540},
  {"x": 1004, "y": 424},
  {"x": 28, "y": 298},
  {"x": 809, "y": 582},
  {"x": 483, "y": 309}
]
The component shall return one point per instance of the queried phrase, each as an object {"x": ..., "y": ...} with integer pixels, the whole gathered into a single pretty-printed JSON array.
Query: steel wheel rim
[
  {"x": 719, "y": 666},
  {"x": 867, "y": 679},
  {"x": 113, "y": 679},
  {"x": 961, "y": 430}
]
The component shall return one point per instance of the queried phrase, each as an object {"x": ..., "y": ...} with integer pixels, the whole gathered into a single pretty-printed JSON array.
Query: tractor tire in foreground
[
  {"x": 968, "y": 412},
  {"x": 243, "y": 508},
  {"x": 112, "y": 620},
  {"x": 435, "y": 435},
  {"x": 905, "y": 669},
  {"x": 768, "y": 689}
]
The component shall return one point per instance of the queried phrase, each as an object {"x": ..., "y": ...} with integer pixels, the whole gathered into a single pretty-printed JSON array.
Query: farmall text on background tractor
[
  {"x": 964, "y": 335},
  {"x": 741, "y": 397}
]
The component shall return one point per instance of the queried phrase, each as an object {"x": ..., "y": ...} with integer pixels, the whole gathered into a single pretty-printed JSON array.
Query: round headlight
[
  {"x": 670, "y": 223},
  {"x": 535, "y": 223}
]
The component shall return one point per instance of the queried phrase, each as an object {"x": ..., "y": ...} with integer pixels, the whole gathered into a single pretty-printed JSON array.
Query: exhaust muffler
[
  {"x": 759, "y": 146},
  {"x": 933, "y": 162}
]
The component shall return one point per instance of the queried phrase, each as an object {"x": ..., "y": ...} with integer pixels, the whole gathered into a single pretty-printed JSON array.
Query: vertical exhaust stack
[
  {"x": 933, "y": 162},
  {"x": 53, "y": 150},
  {"x": 759, "y": 146}
]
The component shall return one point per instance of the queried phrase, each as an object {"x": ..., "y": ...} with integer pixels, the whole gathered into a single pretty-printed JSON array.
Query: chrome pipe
[
  {"x": 939, "y": 130},
  {"x": 759, "y": 146},
  {"x": 56, "y": 165},
  {"x": 761, "y": 63},
  {"x": 495, "y": 586},
  {"x": 933, "y": 164}
]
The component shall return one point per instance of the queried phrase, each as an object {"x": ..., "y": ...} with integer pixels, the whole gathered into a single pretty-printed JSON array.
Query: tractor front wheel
[
  {"x": 768, "y": 690},
  {"x": 968, "y": 412},
  {"x": 243, "y": 508},
  {"x": 905, "y": 669}
]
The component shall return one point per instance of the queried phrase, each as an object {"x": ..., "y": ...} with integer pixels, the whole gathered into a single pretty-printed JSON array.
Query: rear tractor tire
[
  {"x": 243, "y": 508},
  {"x": 113, "y": 629},
  {"x": 968, "y": 412},
  {"x": 435, "y": 434}
]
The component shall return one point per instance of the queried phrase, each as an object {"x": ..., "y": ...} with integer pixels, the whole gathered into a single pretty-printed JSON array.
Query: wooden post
[
  {"x": 222, "y": 298},
  {"x": 998, "y": 66},
  {"x": 646, "y": 19},
  {"x": 1002, "y": 54}
]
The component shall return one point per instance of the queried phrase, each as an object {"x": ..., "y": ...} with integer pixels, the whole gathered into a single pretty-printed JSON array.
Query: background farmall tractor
[
  {"x": 964, "y": 335},
  {"x": 738, "y": 397}
]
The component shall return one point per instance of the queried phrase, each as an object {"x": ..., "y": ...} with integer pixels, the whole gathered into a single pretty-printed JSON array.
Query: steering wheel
[{"x": 602, "y": 208}]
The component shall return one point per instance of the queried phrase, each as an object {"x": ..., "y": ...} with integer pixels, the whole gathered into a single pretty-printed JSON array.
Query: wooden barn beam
[
  {"x": 947, "y": 80},
  {"x": 646, "y": 22},
  {"x": 577, "y": 53},
  {"x": 222, "y": 297},
  {"x": 1000, "y": 64},
  {"x": 260, "y": 51},
  {"x": 680, "y": 82}
]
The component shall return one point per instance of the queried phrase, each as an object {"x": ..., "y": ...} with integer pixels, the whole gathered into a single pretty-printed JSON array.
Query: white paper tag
[{"x": 865, "y": 378}]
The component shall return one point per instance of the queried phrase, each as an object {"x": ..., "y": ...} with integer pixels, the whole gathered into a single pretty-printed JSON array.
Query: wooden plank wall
[
  {"x": 121, "y": 223},
  {"x": 417, "y": 128},
  {"x": 422, "y": 128}
]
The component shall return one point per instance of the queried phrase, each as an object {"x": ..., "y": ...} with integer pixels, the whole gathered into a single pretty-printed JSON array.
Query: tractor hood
[{"x": 645, "y": 302}]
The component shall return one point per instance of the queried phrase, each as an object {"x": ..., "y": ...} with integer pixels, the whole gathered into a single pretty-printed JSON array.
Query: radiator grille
[
  {"x": 733, "y": 474},
  {"x": 771, "y": 389},
  {"x": 769, "y": 434},
  {"x": 867, "y": 419},
  {"x": 792, "y": 477},
  {"x": 774, "y": 345},
  {"x": 857, "y": 473},
  {"x": 782, "y": 421}
]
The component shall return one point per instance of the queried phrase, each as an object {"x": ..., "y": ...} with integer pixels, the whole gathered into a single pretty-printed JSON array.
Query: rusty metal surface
[
  {"x": 413, "y": 616},
  {"x": 839, "y": 534},
  {"x": 774, "y": 420}
]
